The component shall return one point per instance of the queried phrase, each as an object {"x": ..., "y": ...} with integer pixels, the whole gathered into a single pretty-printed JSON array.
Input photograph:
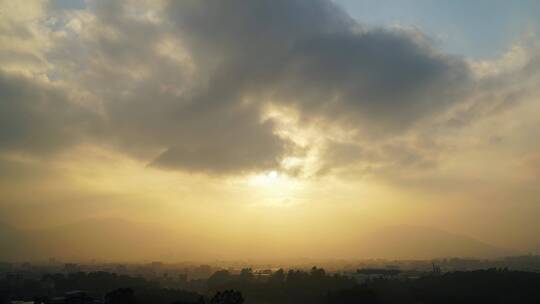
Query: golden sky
[{"x": 287, "y": 127}]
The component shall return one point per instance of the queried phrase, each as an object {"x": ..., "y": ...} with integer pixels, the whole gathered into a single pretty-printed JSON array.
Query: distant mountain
[
  {"x": 12, "y": 242},
  {"x": 7, "y": 233},
  {"x": 120, "y": 240},
  {"x": 104, "y": 239},
  {"x": 416, "y": 242}
]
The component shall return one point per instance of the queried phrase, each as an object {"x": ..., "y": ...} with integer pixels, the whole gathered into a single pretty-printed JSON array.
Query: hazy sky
[
  {"x": 273, "y": 121},
  {"x": 479, "y": 29}
]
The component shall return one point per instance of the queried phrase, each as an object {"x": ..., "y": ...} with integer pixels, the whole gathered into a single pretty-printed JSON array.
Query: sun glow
[
  {"x": 267, "y": 179},
  {"x": 274, "y": 188}
]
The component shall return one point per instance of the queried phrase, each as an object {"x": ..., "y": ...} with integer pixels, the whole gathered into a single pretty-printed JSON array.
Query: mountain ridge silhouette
[{"x": 115, "y": 239}]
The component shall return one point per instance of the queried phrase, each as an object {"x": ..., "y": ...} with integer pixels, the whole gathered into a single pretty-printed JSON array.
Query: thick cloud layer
[
  {"x": 312, "y": 56},
  {"x": 185, "y": 84},
  {"x": 37, "y": 119}
]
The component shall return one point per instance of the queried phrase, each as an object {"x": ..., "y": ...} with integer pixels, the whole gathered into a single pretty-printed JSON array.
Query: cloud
[
  {"x": 315, "y": 58},
  {"x": 37, "y": 119},
  {"x": 155, "y": 106},
  {"x": 184, "y": 85},
  {"x": 230, "y": 144},
  {"x": 494, "y": 118}
]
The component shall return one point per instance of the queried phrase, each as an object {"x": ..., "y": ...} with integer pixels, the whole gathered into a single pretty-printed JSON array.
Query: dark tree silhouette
[
  {"x": 218, "y": 280},
  {"x": 120, "y": 296},
  {"x": 359, "y": 294},
  {"x": 297, "y": 286},
  {"x": 278, "y": 276},
  {"x": 246, "y": 275},
  {"x": 227, "y": 297}
]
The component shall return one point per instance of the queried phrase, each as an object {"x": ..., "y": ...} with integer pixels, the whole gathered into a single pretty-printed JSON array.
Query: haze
[{"x": 187, "y": 130}]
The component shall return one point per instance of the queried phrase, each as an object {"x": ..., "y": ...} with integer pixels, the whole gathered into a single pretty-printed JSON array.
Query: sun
[
  {"x": 266, "y": 179},
  {"x": 274, "y": 189},
  {"x": 273, "y": 181},
  {"x": 272, "y": 175}
]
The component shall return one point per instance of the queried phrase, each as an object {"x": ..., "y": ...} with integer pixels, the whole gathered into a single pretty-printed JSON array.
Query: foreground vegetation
[{"x": 294, "y": 286}]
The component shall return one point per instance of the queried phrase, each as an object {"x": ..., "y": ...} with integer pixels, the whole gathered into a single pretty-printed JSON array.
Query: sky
[
  {"x": 477, "y": 29},
  {"x": 273, "y": 124}
]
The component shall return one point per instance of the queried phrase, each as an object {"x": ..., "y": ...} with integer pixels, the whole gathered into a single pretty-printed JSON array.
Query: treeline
[
  {"x": 93, "y": 287},
  {"x": 312, "y": 287},
  {"x": 294, "y": 286},
  {"x": 481, "y": 286}
]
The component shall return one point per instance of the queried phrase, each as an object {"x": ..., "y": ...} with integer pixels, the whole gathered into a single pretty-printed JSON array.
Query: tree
[
  {"x": 120, "y": 296},
  {"x": 218, "y": 279},
  {"x": 278, "y": 276},
  {"x": 246, "y": 275},
  {"x": 227, "y": 297}
]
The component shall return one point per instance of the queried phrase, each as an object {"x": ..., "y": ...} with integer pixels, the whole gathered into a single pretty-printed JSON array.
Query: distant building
[{"x": 366, "y": 274}]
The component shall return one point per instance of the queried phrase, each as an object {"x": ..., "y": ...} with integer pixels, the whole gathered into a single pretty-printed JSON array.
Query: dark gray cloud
[
  {"x": 222, "y": 140},
  {"x": 38, "y": 119},
  {"x": 312, "y": 56},
  {"x": 155, "y": 108},
  {"x": 203, "y": 113},
  {"x": 378, "y": 81}
]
